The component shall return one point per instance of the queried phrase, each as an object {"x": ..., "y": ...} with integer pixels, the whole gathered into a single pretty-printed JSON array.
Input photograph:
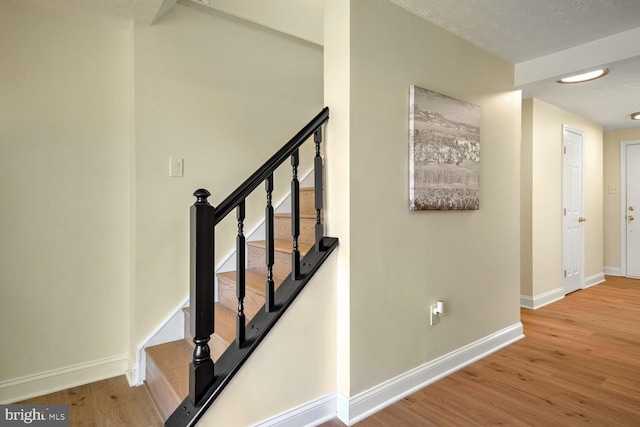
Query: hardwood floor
[
  {"x": 108, "y": 403},
  {"x": 579, "y": 364}
]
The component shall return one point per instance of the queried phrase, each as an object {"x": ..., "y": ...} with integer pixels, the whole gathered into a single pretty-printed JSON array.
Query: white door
[
  {"x": 573, "y": 206},
  {"x": 632, "y": 210}
]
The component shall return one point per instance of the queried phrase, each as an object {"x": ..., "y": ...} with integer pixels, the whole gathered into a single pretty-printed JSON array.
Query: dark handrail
[
  {"x": 258, "y": 177},
  {"x": 206, "y": 381}
]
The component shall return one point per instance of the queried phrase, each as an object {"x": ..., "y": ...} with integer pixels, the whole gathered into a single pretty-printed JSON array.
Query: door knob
[
  {"x": 631, "y": 208},
  {"x": 582, "y": 219},
  {"x": 630, "y": 218}
]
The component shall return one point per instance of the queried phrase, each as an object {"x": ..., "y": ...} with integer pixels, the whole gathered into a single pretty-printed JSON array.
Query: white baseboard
[
  {"x": 612, "y": 271},
  {"x": 312, "y": 413},
  {"x": 541, "y": 300},
  {"x": 350, "y": 411},
  {"x": 61, "y": 379},
  {"x": 596, "y": 279}
]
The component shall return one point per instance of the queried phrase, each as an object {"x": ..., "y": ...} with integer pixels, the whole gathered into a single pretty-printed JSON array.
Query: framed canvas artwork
[{"x": 444, "y": 152}]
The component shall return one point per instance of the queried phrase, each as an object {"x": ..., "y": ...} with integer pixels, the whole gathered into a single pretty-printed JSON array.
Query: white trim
[
  {"x": 623, "y": 203},
  {"x": 61, "y": 379},
  {"x": 596, "y": 279},
  {"x": 311, "y": 413},
  {"x": 342, "y": 408},
  {"x": 171, "y": 329},
  {"x": 612, "y": 271},
  {"x": 379, "y": 397},
  {"x": 541, "y": 300}
]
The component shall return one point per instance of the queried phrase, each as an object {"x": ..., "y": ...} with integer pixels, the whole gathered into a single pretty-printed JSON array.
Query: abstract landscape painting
[{"x": 444, "y": 152}]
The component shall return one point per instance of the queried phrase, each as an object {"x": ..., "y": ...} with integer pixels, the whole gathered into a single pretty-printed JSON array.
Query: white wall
[
  {"x": 64, "y": 201},
  {"x": 545, "y": 161},
  {"x": 399, "y": 261}
]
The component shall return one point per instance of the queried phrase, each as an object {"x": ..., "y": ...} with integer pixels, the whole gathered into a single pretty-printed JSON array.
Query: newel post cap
[{"x": 201, "y": 196}]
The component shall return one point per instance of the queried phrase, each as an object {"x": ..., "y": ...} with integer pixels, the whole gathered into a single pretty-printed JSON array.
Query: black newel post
[{"x": 201, "y": 373}]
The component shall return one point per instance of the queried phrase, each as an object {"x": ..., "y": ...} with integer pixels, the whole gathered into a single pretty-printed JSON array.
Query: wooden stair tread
[
  {"x": 288, "y": 215},
  {"x": 281, "y": 246},
  {"x": 171, "y": 362},
  {"x": 225, "y": 323},
  {"x": 254, "y": 280}
]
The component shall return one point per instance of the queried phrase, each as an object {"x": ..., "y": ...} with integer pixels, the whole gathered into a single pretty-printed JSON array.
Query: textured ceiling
[
  {"x": 519, "y": 30},
  {"x": 111, "y": 11},
  {"x": 553, "y": 38},
  {"x": 544, "y": 39}
]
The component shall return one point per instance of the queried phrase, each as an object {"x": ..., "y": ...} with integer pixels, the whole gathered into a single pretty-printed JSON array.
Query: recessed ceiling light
[
  {"x": 635, "y": 116},
  {"x": 585, "y": 77}
]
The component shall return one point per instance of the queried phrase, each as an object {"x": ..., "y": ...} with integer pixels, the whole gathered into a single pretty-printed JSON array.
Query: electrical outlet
[
  {"x": 436, "y": 312},
  {"x": 434, "y": 319}
]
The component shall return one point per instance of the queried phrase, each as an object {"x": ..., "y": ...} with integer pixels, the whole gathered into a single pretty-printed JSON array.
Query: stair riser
[
  {"x": 227, "y": 297},
  {"x": 187, "y": 329},
  {"x": 308, "y": 202},
  {"x": 307, "y": 229},
  {"x": 217, "y": 346},
  {"x": 164, "y": 396},
  {"x": 281, "y": 266}
]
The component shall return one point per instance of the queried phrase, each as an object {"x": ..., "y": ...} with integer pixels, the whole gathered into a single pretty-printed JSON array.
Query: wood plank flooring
[
  {"x": 108, "y": 403},
  {"x": 579, "y": 364}
]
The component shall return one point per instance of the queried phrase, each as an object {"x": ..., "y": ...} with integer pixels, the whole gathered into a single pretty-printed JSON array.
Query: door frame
[
  {"x": 567, "y": 128},
  {"x": 623, "y": 203}
]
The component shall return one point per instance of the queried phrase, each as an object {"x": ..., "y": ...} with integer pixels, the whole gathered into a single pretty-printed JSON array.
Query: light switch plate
[{"x": 175, "y": 166}]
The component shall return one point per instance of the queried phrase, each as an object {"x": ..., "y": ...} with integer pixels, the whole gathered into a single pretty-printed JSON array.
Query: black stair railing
[{"x": 206, "y": 379}]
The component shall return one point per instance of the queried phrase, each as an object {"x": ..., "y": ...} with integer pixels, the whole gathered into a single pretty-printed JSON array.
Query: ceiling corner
[{"x": 148, "y": 12}]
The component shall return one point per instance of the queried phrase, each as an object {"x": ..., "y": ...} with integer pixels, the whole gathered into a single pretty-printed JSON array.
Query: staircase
[
  {"x": 184, "y": 377},
  {"x": 167, "y": 367}
]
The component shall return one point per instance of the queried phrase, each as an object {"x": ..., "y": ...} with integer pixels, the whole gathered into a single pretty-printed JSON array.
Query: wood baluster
[
  {"x": 319, "y": 187},
  {"x": 295, "y": 216},
  {"x": 201, "y": 368},
  {"x": 269, "y": 246},
  {"x": 240, "y": 275}
]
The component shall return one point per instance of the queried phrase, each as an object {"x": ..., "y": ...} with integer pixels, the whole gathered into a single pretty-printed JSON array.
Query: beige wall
[
  {"x": 402, "y": 261},
  {"x": 64, "y": 201},
  {"x": 612, "y": 141},
  {"x": 337, "y": 80},
  {"x": 294, "y": 365},
  {"x": 299, "y": 18},
  {"x": 545, "y": 162},
  {"x": 90, "y": 116},
  {"x": 224, "y": 95},
  {"x": 526, "y": 188}
]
